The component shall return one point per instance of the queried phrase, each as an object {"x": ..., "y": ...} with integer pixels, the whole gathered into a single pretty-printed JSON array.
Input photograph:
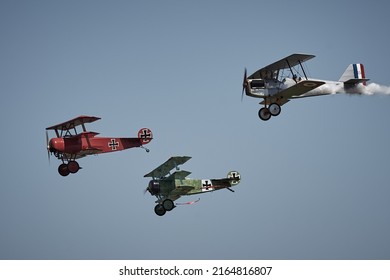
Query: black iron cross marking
[
  {"x": 207, "y": 185},
  {"x": 234, "y": 176},
  {"x": 113, "y": 144},
  {"x": 145, "y": 134}
]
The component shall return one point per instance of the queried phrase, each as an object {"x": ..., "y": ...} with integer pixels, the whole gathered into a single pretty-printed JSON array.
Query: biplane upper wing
[
  {"x": 73, "y": 123},
  {"x": 296, "y": 91},
  {"x": 289, "y": 61},
  {"x": 167, "y": 166}
]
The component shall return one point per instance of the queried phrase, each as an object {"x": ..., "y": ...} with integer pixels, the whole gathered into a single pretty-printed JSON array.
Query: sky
[{"x": 315, "y": 179}]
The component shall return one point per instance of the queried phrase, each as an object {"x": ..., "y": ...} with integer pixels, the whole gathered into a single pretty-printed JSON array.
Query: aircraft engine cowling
[{"x": 154, "y": 187}]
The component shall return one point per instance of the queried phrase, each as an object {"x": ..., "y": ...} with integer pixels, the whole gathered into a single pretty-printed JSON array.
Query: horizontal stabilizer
[{"x": 355, "y": 81}]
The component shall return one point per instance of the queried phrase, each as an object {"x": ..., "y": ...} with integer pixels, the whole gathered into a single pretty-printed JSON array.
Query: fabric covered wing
[
  {"x": 179, "y": 191},
  {"x": 73, "y": 123},
  {"x": 88, "y": 152},
  {"x": 181, "y": 174},
  {"x": 167, "y": 166},
  {"x": 284, "y": 63},
  {"x": 295, "y": 91}
]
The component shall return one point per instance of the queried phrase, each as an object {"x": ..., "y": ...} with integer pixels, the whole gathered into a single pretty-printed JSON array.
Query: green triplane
[{"x": 169, "y": 187}]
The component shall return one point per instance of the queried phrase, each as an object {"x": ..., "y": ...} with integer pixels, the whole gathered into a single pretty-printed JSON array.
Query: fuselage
[
  {"x": 187, "y": 186},
  {"x": 76, "y": 144},
  {"x": 267, "y": 88}
]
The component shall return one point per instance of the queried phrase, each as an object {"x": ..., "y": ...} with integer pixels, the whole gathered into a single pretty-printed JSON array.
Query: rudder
[{"x": 354, "y": 74}]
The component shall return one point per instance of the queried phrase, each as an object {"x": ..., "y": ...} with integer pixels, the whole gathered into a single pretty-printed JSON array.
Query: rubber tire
[
  {"x": 63, "y": 169},
  {"x": 159, "y": 210},
  {"x": 264, "y": 114},
  {"x": 274, "y": 109},
  {"x": 168, "y": 204},
  {"x": 73, "y": 166}
]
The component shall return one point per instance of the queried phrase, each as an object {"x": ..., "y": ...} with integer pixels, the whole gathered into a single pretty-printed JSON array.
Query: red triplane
[{"x": 70, "y": 145}]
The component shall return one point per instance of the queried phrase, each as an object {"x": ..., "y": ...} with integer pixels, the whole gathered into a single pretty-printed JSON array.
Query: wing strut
[
  {"x": 289, "y": 66},
  {"x": 303, "y": 70}
]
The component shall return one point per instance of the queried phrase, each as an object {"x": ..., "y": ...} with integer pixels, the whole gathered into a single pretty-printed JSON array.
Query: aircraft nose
[{"x": 56, "y": 144}]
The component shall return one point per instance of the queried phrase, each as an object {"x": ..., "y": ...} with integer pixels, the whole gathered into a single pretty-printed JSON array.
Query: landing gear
[
  {"x": 159, "y": 210},
  {"x": 73, "y": 166},
  {"x": 166, "y": 205},
  {"x": 265, "y": 113},
  {"x": 66, "y": 168},
  {"x": 63, "y": 170},
  {"x": 274, "y": 109}
]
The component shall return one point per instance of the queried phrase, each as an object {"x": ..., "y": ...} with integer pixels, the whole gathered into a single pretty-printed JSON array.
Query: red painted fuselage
[{"x": 84, "y": 144}]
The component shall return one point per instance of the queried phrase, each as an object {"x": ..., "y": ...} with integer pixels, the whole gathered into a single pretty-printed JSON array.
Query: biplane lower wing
[
  {"x": 167, "y": 166},
  {"x": 295, "y": 91}
]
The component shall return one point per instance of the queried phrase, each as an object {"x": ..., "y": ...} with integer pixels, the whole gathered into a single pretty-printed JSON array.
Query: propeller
[
  {"x": 244, "y": 85},
  {"x": 47, "y": 146}
]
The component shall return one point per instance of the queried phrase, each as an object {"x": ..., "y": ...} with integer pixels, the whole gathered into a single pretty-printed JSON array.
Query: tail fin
[{"x": 354, "y": 74}]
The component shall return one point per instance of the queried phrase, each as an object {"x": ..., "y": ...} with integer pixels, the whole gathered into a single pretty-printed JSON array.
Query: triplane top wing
[
  {"x": 165, "y": 168},
  {"x": 71, "y": 124}
]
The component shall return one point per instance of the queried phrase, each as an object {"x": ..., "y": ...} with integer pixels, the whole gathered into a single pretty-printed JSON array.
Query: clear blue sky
[{"x": 315, "y": 180}]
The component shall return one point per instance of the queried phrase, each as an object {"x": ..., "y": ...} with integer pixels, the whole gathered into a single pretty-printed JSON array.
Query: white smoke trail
[
  {"x": 373, "y": 88},
  {"x": 331, "y": 88},
  {"x": 370, "y": 89}
]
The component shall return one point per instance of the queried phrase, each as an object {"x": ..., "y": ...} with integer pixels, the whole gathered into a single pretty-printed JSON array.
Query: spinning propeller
[
  {"x": 48, "y": 146},
  {"x": 244, "y": 85}
]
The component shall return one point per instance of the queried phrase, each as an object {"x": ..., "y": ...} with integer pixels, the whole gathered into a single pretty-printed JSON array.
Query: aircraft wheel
[
  {"x": 264, "y": 114},
  {"x": 274, "y": 109},
  {"x": 73, "y": 166},
  {"x": 159, "y": 210},
  {"x": 63, "y": 170},
  {"x": 168, "y": 204}
]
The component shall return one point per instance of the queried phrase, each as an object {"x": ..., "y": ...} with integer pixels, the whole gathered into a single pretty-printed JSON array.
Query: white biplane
[{"x": 277, "y": 86}]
